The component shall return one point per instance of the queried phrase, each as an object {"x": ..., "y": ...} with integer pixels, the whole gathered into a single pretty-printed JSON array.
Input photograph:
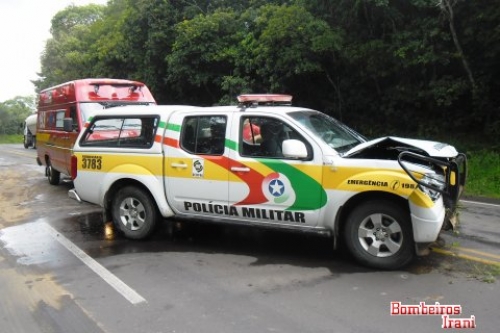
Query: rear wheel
[
  {"x": 134, "y": 212},
  {"x": 52, "y": 174},
  {"x": 378, "y": 234}
]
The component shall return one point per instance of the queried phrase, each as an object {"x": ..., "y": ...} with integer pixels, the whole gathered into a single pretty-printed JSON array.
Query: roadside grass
[
  {"x": 483, "y": 177},
  {"x": 451, "y": 265},
  {"x": 14, "y": 138},
  {"x": 483, "y": 174},
  {"x": 484, "y": 273}
]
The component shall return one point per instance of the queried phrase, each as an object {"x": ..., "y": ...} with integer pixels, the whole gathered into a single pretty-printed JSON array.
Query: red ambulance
[{"x": 64, "y": 109}]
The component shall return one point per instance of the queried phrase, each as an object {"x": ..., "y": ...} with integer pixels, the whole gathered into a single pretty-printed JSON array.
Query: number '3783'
[{"x": 92, "y": 162}]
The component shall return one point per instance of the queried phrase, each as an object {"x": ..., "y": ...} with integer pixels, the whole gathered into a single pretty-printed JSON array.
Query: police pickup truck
[{"x": 266, "y": 163}]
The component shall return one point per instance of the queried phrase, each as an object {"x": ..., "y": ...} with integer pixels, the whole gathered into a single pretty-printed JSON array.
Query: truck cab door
[
  {"x": 268, "y": 187},
  {"x": 196, "y": 163}
]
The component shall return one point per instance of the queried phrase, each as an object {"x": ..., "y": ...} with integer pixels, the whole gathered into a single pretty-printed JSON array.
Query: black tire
[
  {"x": 379, "y": 235},
  {"x": 26, "y": 142},
  {"x": 53, "y": 175},
  {"x": 134, "y": 212}
]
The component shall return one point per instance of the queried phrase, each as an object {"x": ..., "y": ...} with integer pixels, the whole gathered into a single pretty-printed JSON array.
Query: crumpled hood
[{"x": 432, "y": 148}]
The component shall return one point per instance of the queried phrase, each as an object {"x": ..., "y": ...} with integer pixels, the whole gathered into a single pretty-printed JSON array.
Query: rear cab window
[{"x": 126, "y": 132}]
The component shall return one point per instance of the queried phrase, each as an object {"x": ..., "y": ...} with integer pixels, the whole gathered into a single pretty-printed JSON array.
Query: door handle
[
  {"x": 240, "y": 169},
  {"x": 179, "y": 165}
]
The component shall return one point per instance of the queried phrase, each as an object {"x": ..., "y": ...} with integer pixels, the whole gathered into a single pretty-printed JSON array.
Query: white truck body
[
  {"x": 387, "y": 199},
  {"x": 29, "y": 131}
]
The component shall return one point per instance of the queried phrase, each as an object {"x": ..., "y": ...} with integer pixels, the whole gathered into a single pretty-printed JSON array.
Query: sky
[{"x": 25, "y": 27}]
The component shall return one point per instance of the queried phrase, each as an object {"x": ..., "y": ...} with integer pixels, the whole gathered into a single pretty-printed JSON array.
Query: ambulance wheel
[
  {"x": 134, "y": 212},
  {"x": 378, "y": 234},
  {"x": 52, "y": 174}
]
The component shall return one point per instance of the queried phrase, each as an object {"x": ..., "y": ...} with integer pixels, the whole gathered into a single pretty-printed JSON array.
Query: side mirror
[
  {"x": 68, "y": 124},
  {"x": 294, "y": 149}
]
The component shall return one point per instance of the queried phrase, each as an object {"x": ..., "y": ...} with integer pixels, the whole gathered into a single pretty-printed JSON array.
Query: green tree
[
  {"x": 286, "y": 44},
  {"x": 13, "y": 112},
  {"x": 113, "y": 55},
  {"x": 67, "y": 54},
  {"x": 202, "y": 54},
  {"x": 152, "y": 34}
]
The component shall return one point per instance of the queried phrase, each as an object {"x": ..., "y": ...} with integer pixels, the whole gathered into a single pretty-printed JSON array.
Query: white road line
[
  {"x": 131, "y": 295},
  {"x": 480, "y": 203}
]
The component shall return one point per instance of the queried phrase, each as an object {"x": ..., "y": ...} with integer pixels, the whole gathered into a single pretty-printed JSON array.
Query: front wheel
[
  {"x": 378, "y": 234},
  {"x": 134, "y": 212}
]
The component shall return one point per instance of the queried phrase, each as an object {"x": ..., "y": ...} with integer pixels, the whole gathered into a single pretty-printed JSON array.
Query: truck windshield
[
  {"x": 331, "y": 131},
  {"x": 88, "y": 108}
]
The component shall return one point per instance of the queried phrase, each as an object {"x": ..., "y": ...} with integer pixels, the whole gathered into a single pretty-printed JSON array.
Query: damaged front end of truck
[{"x": 447, "y": 169}]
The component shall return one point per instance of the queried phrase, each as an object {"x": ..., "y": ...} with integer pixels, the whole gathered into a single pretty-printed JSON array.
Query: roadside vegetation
[
  {"x": 484, "y": 174},
  {"x": 13, "y": 138},
  {"x": 13, "y": 112},
  {"x": 474, "y": 270}
]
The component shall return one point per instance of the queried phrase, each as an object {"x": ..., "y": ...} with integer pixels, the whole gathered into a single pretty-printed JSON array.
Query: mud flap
[
  {"x": 450, "y": 221},
  {"x": 423, "y": 249}
]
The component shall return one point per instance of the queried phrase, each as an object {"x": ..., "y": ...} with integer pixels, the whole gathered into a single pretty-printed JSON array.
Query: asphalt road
[{"x": 62, "y": 269}]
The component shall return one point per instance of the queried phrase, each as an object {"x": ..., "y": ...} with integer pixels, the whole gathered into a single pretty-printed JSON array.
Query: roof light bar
[{"x": 264, "y": 98}]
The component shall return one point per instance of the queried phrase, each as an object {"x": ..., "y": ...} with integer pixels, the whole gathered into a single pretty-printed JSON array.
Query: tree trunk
[{"x": 447, "y": 8}]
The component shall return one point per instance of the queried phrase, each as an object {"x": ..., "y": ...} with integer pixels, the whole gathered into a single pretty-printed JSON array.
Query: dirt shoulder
[{"x": 15, "y": 195}]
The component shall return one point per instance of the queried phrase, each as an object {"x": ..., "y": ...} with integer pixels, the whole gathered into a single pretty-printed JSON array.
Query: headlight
[{"x": 433, "y": 185}]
